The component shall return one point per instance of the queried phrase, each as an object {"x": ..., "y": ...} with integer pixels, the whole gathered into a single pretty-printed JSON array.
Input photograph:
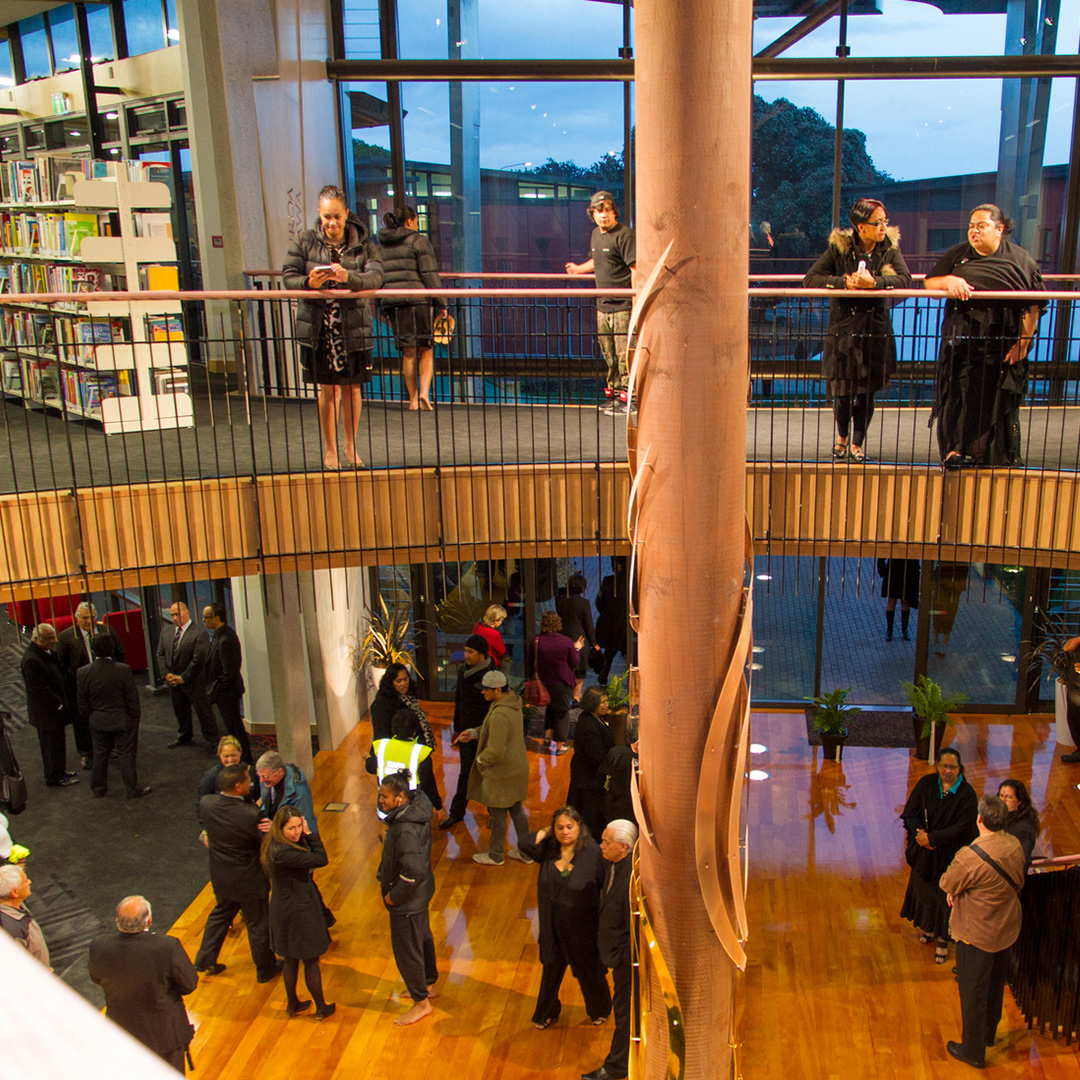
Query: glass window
[
  {"x": 571, "y": 29},
  {"x": 99, "y": 23},
  {"x": 7, "y": 74},
  {"x": 35, "y": 47},
  {"x": 785, "y": 627},
  {"x": 361, "y": 23},
  {"x": 173, "y": 32},
  {"x": 65, "y": 40},
  {"x": 144, "y": 22}
]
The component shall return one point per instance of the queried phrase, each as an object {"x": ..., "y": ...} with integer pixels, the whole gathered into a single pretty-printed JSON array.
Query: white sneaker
[
  {"x": 484, "y": 859},
  {"x": 515, "y": 854}
]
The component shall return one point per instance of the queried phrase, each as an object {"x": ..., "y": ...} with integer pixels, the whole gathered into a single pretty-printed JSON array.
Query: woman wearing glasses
[
  {"x": 982, "y": 364},
  {"x": 860, "y": 352}
]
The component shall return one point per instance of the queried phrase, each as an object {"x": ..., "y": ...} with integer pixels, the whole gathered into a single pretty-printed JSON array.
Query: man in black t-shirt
[{"x": 613, "y": 258}]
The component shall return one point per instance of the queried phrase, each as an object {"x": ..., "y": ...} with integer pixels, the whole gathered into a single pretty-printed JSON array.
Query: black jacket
[
  {"x": 405, "y": 875},
  {"x": 409, "y": 262},
  {"x": 46, "y": 695},
  {"x": 71, "y": 653},
  {"x": 107, "y": 695},
  {"x": 233, "y": 839},
  {"x": 859, "y": 344},
  {"x": 189, "y": 660},
  {"x": 223, "y": 676},
  {"x": 470, "y": 705},
  {"x": 383, "y": 706},
  {"x": 297, "y": 922},
  {"x": 619, "y": 772},
  {"x": 362, "y": 261},
  {"x": 592, "y": 741},
  {"x": 208, "y": 785},
  {"x": 613, "y": 931},
  {"x": 576, "y": 614},
  {"x": 145, "y": 977}
]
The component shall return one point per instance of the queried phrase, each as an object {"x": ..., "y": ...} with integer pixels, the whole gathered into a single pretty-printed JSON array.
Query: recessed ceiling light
[
  {"x": 759, "y": 648},
  {"x": 764, "y": 577},
  {"x": 1008, "y": 658},
  {"x": 758, "y": 748},
  {"x": 756, "y": 667},
  {"x": 758, "y": 774}
]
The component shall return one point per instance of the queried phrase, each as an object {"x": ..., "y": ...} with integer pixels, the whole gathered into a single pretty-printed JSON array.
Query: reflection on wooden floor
[{"x": 836, "y": 984}]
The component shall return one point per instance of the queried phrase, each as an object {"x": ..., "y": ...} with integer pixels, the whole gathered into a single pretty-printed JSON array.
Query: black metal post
[
  {"x": 86, "y": 71},
  {"x": 388, "y": 39},
  {"x": 842, "y": 52},
  {"x": 627, "y": 53}
]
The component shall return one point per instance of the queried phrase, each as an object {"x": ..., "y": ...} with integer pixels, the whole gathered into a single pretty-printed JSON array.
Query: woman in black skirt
[
  {"x": 290, "y": 852},
  {"x": 409, "y": 263},
  {"x": 335, "y": 336},
  {"x": 940, "y": 818}
]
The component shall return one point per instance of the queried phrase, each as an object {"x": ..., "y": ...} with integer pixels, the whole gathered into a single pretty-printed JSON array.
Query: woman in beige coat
[{"x": 500, "y": 773}]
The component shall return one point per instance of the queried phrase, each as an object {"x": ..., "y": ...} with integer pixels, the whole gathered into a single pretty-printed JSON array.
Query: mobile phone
[
  {"x": 862, "y": 266},
  {"x": 322, "y": 269}
]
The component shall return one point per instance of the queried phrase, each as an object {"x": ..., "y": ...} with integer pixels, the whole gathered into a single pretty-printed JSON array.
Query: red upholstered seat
[{"x": 129, "y": 628}]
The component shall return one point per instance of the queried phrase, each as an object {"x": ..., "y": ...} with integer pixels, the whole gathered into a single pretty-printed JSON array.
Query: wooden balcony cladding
[{"x": 112, "y": 537}]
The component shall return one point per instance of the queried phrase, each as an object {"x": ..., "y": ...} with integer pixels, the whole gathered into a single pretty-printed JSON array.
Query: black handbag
[{"x": 596, "y": 660}]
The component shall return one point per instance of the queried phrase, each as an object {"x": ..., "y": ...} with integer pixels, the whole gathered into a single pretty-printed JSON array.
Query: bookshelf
[{"x": 122, "y": 363}]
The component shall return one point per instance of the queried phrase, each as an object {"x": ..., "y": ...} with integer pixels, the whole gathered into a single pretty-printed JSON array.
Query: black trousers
[
  {"x": 460, "y": 802},
  {"x": 182, "y": 701},
  {"x": 53, "y": 743},
  {"x": 617, "y": 1062},
  {"x": 1072, "y": 715},
  {"x": 414, "y": 951},
  {"x": 84, "y": 739},
  {"x": 257, "y": 924},
  {"x": 981, "y": 976},
  {"x": 126, "y": 744},
  {"x": 857, "y": 407},
  {"x": 591, "y": 976},
  {"x": 229, "y": 707}
]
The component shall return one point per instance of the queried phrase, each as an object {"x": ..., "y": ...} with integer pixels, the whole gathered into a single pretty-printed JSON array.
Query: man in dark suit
[
  {"x": 231, "y": 825},
  {"x": 145, "y": 977},
  {"x": 108, "y": 702},
  {"x": 613, "y": 941},
  {"x": 182, "y": 652},
  {"x": 224, "y": 681},
  {"x": 73, "y": 652},
  {"x": 46, "y": 704}
]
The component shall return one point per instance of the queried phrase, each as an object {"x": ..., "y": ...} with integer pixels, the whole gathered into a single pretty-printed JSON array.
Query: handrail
[
  {"x": 1057, "y": 860},
  {"x": 416, "y": 294}
]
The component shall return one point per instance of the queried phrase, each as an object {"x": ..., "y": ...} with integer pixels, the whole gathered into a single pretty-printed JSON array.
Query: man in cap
[
  {"x": 613, "y": 258},
  {"x": 500, "y": 773}
]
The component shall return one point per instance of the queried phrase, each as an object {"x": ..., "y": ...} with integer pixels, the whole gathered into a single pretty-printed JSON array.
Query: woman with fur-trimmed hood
[{"x": 860, "y": 351}]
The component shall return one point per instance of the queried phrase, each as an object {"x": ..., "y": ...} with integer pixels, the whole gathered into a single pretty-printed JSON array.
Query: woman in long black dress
[
  {"x": 900, "y": 580},
  {"x": 568, "y": 900},
  {"x": 576, "y": 614},
  {"x": 290, "y": 852},
  {"x": 593, "y": 739},
  {"x": 860, "y": 352},
  {"x": 940, "y": 818},
  {"x": 335, "y": 336},
  {"x": 982, "y": 365}
]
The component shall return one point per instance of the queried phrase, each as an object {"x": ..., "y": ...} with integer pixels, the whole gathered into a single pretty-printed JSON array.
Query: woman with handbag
[{"x": 552, "y": 660}]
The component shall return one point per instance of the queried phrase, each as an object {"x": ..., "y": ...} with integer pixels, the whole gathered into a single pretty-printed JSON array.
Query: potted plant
[
  {"x": 1056, "y": 634},
  {"x": 385, "y": 641},
  {"x": 618, "y": 699},
  {"x": 830, "y": 713},
  {"x": 930, "y": 708}
]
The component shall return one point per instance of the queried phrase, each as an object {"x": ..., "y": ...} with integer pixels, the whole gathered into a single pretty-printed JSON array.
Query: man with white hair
[
  {"x": 47, "y": 706},
  {"x": 73, "y": 651},
  {"x": 14, "y": 918},
  {"x": 145, "y": 977},
  {"x": 613, "y": 941}
]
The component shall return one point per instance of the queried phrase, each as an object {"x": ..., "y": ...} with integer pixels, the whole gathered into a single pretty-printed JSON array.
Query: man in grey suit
[
  {"x": 73, "y": 652},
  {"x": 145, "y": 977},
  {"x": 182, "y": 653},
  {"x": 108, "y": 703},
  {"x": 233, "y": 836}
]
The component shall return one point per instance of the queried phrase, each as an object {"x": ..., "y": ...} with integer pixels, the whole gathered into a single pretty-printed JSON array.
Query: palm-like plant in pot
[
  {"x": 386, "y": 640},
  {"x": 1056, "y": 634},
  {"x": 830, "y": 715},
  {"x": 932, "y": 709}
]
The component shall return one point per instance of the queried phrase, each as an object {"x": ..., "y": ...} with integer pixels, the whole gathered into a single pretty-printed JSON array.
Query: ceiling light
[
  {"x": 758, "y": 748},
  {"x": 764, "y": 577},
  {"x": 761, "y": 774}
]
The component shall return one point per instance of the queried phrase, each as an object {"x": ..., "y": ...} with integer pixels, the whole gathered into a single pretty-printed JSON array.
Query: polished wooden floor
[{"x": 836, "y": 984}]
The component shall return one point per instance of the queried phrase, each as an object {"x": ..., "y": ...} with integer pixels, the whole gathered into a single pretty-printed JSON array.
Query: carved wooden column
[{"x": 688, "y": 519}]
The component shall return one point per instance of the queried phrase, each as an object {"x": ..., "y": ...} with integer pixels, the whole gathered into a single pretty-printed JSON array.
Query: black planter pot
[{"x": 833, "y": 746}]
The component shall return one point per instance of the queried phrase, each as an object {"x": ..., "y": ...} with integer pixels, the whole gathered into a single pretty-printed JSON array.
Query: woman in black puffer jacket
[
  {"x": 335, "y": 336},
  {"x": 409, "y": 263}
]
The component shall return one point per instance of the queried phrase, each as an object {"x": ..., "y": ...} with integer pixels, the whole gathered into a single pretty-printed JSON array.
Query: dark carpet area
[
  {"x": 873, "y": 728},
  {"x": 86, "y": 854}
]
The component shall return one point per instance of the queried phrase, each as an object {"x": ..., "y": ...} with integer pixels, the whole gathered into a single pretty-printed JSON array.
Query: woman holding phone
[
  {"x": 860, "y": 352},
  {"x": 335, "y": 336}
]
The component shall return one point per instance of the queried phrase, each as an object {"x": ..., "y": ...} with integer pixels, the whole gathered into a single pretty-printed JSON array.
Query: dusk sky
[{"x": 913, "y": 129}]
